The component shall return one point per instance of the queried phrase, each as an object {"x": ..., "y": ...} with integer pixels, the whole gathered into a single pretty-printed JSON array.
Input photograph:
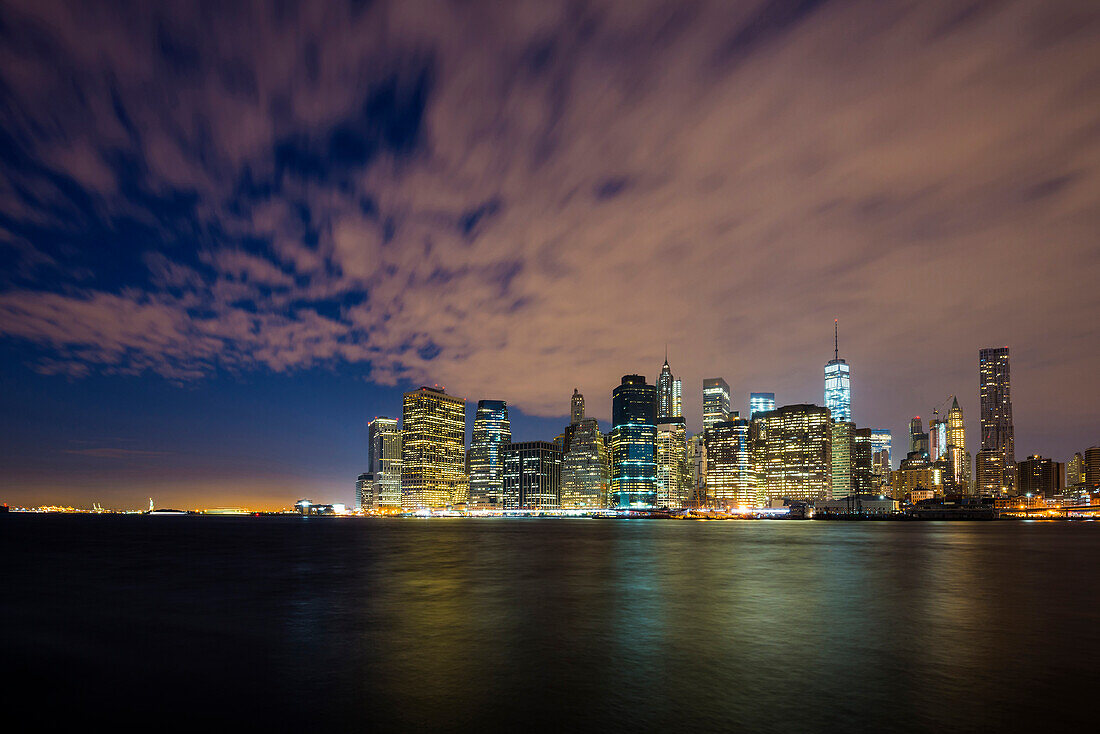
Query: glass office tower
[
  {"x": 669, "y": 395},
  {"x": 716, "y": 401},
  {"x": 384, "y": 462},
  {"x": 673, "y": 472},
  {"x": 433, "y": 442},
  {"x": 491, "y": 431},
  {"x": 794, "y": 450},
  {"x": 998, "y": 434},
  {"x": 838, "y": 384},
  {"x": 760, "y": 402},
  {"x": 634, "y": 443},
  {"x": 731, "y": 476}
]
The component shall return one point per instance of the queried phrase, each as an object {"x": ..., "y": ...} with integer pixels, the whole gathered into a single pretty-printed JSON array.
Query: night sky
[{"x": 230, "y": 234}]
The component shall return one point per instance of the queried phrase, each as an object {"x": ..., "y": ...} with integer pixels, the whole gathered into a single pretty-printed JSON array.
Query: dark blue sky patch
[
  {"x": 770, "y": 21},
  {"x": 609, "y": 188},
  {"x": 472, "y": 218}
]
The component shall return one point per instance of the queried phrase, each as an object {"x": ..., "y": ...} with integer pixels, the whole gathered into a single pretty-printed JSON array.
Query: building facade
[
  {"x": 841, "y": 461},
  {"x": 732, "y": 480},
  {"x": 433, "y": 439},
  {"x": 881, "y": 446},
  {"x": 716, "y": 401},
  {"x": 384, "y": 462},
  {"x": 998, "y": 433},
  {"x": 532, "y": 475},
  {"x": 673, "y": 471},
  {"x": 491, "y": 432},
  {"x": 760, "y": 402},
  {"x": 1075, "y": 470},
  {"x": 1040, "y": 477},
  {"x": 585, "y": 471},
  {"x": 633, "y": 442},
  {"x": 794, "y": 450}
]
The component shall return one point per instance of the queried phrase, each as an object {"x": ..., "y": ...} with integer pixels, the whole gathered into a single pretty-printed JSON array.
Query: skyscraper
[
  {"x": 384, "y": 462},
  {"x": 433, "y": 449},
  {"x": 918, "y": 439},
  {"x": 990, "y": 472},
  {"x": 957, "y": 455},
  {"x": 760, "y": 402},
  {"x": 794, "y": 452},
  {"x": 937, "y": 439},
  {"x": 697, "y": 458},
  {"x": 838, "y": 382},
  {"x": 731, "y": 477},
  {"x": 585, "y": 471},
  {"x": 862, "y": 462},
  {"x": 1092, "y": 466},
  {"x": 492, "y": 430},
  {"x": 716, "y": 401},
  {"x": 576, "y": 408},
  {"x": 634, "y": 443},
  {"x": 998, "y": 434},
  {"x": 881, "y": 445},
  {"x": 669, "y": 397},
  {"x": 841, "y": 459},
  {"x": 673, "y": 473},
  {"x": 532, "y": 475},
  {"x": 1075, "y": 470}
]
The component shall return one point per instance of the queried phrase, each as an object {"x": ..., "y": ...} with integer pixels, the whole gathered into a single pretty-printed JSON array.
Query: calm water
[{"x": 643, "y": 625}]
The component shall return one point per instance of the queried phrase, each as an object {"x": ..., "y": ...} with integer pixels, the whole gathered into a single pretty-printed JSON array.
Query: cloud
[{"x": 515, "y": 200}]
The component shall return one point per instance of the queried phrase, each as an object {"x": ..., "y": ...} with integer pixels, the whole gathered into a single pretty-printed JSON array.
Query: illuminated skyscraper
[
  {"x": 838, "y": 382},
  {"x": 532, "y": 475},
  {"x": 384, "y": 462},
  {"x": 937, "y": 439},
  {"x": 716, "y": 401},
  {"x": 1075, "y": 470},
  {"x": 433, "y": 449},
  {"x": 990, "y": 473},
  {"x": 957, "y": 455},
  {"x": 669, "y": 398},
  {"x": 364, "y": 492},
  {"x": 673, "y": 472},
  {"x": 732, "y": 480},
  {"x": 760, "y": 402},
  {"x": 491, "y": 431},
  {"x": 576, "y": 407},
  {"x": 634, "y": 443},
  {"x": 998, "y": 434},
  {"x": 585, "y": 471},
  {"x": 697, "y": 458},
  {"x": 795, "y": 451},
  {"x": 881, "y": 445},
  {"x": 841, "y": 458}
]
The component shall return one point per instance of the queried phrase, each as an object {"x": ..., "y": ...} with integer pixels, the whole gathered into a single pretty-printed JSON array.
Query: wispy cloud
[{"x": 516, "y": 199}]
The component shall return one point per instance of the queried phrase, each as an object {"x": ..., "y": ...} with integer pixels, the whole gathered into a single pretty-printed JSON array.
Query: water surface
[{"x": 466, "y": 624}]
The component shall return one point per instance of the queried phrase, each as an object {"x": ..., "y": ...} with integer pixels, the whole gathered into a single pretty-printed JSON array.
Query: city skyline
[{"x": 229, "y": 235}]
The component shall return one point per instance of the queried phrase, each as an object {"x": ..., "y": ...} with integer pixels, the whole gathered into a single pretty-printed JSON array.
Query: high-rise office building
[
  {"x": 433, "y": 439},
  {"x": 989, "y": 473},
  {"x": 364, "y": 491},
  {"x": 384, "y": 462},
  {"x": 760, "y": 402},
  {"x": 794, "y": 452},
  {"x": 918, "y": 439},
  {"x": 838, "y": 382},
  {"x": 532, "y": 475},
  {"x": 669, "y": 395},
  {"x": 1040, "y": 477},
  {"x": 862, "y": 461},
  {"x": 732, "y": 480},
  {"x": 673, "y": 472},
  {"x": 576, "y": 407},
  {"x": 1075, "y": 470},
  {"x": 937, "y": 439},
  {"x": 697, "y": 458},
  {"x": 492, "y": 430},
  {"x": 585, "y": 471},
  {"x": 881, "y": 445},
  {"x": 841, "y": 458},
  {"x": 716, "y": 401},
  {"x": 998, "y": 434},
  {"x": 957, "y": 455},
  {"x": 1092, "y": 466},
  {"x": 634, "y": 443}
]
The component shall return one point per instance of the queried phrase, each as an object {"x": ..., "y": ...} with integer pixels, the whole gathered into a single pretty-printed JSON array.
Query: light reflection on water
[{"x": 459, "y": 624}]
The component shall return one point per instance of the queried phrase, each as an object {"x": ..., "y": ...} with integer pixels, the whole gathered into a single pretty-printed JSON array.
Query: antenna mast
[{"x": 836, "y": 339}]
